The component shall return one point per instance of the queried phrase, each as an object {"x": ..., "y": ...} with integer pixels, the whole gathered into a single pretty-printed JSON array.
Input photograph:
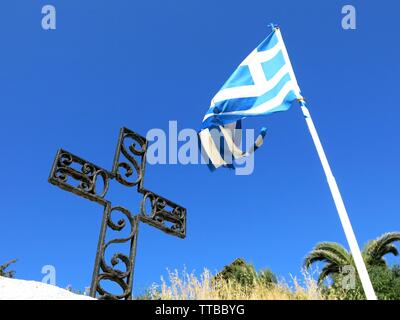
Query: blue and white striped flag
[{"x": 263, "y": 83}]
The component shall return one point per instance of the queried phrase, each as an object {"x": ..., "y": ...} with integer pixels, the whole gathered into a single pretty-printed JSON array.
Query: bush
[
  {"x": 243, "y": 273},
  {"x": 238, "y": 271},
  {"x": 267, "y": 277},
  {"x": 385, "y": 280}
]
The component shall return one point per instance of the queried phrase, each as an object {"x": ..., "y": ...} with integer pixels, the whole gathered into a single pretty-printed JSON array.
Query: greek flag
[{"x": 263, "y": 83}]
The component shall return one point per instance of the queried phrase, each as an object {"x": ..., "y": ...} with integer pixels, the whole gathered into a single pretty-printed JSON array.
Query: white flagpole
[{"x": 337, "y": 198}]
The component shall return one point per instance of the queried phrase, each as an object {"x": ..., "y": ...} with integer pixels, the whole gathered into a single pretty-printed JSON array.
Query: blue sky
[{"x": 141, "y": 64}]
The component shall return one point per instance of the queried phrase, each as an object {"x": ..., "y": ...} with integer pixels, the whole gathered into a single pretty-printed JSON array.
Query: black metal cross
[{"x": 81, "y": 177}]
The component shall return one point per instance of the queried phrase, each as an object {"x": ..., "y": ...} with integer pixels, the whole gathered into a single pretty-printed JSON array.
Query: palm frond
[
  {"x": 390, "y": 248},
  {"x": 324, "y": 256},
  {"x": 328, "y": 270},
  {"x": 375, "y": 250},
  {"x": 336, "y": 248}
]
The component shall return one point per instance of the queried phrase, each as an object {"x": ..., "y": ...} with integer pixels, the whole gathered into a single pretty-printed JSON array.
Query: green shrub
[
  {"x": 243, "y": 273},
  {"x": 267, "y": 277},
  {"x": 238, "y": 271},
  {"x": 385, "y": 280}
]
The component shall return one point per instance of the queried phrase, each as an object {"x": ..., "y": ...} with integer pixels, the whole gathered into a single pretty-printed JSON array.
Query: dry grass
[{"x": 187, "y": 286}]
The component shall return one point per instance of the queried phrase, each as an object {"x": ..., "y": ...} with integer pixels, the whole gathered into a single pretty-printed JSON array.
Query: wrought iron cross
[{"x": 81, "y": 177}]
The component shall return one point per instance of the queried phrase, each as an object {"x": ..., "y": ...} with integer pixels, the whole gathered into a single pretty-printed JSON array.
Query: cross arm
[
  {"x": 79, "y": 176},
  {"x": 164, "y": 214}
]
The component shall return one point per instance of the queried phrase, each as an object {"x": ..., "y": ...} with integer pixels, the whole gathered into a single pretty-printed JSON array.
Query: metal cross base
[{"x": 81, "y": 177}]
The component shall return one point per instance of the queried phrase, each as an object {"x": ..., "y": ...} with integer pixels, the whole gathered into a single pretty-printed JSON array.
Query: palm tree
[{"x": 336, "y": 256}]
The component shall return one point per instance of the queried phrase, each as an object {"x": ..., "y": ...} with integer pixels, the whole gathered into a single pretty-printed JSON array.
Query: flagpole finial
[
  {"x": 273, "y": 26},
  {"x": 302, "y": 101}
]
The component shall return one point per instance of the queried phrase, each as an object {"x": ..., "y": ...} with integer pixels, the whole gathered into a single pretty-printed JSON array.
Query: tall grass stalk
[{"x": 187, "y": 286}]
